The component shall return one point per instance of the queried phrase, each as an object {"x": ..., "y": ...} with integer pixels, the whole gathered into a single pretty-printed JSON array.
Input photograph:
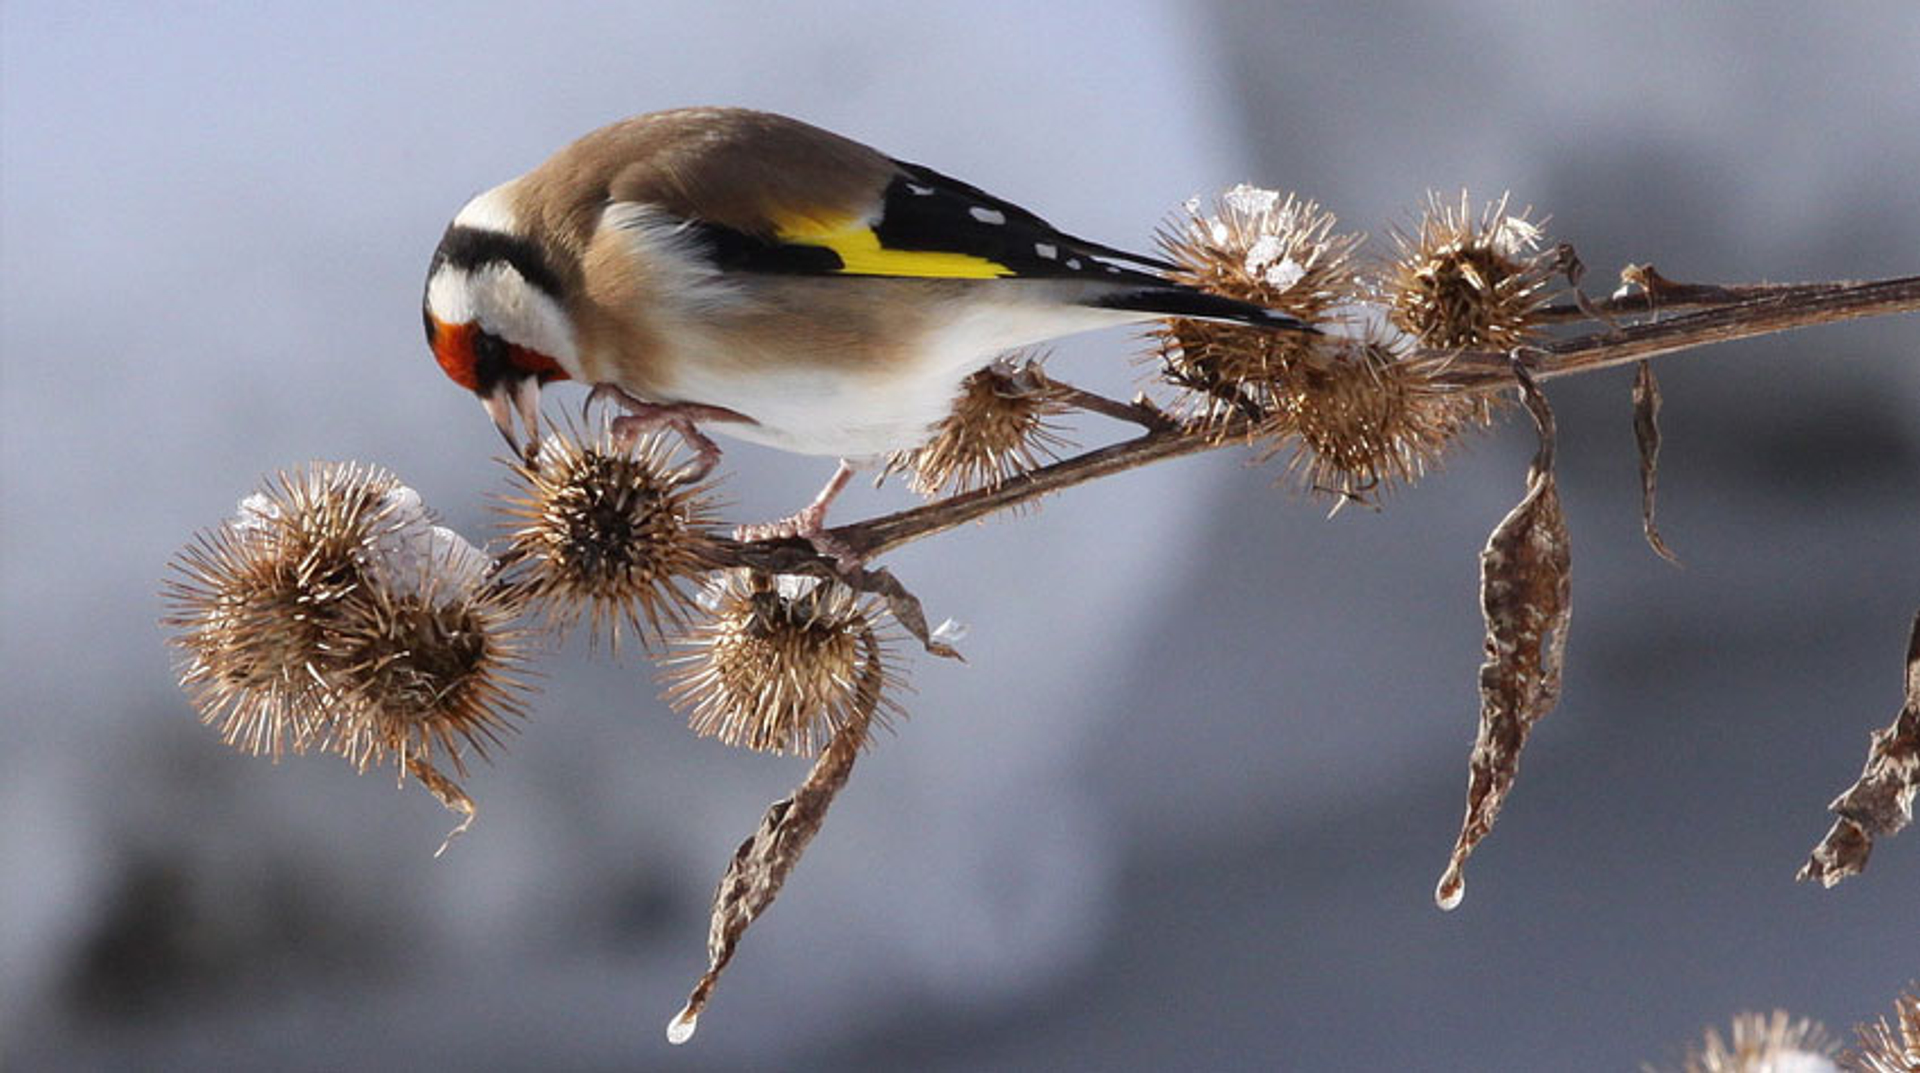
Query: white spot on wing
[
  {"x": 919, "y": 191},
  {"x": 1047, "y": 250},
  {"x": 987, "y": 216},
  {"x": 1073, "y": 263}
]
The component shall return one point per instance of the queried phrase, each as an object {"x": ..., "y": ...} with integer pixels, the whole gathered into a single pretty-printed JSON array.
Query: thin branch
[
  {"x": 1747, "y": 312},
  {"x": 1138, "y": 412},
  {"x": 1656, "y": 293},
  {"x": 1803, "y": 307}
]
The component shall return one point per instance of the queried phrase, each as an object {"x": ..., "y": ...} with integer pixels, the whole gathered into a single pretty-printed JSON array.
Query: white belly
[{"x": 858, "y": 411}]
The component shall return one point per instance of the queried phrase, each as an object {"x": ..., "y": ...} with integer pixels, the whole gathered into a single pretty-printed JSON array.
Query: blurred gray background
[{"x": 1185, "y": 806}]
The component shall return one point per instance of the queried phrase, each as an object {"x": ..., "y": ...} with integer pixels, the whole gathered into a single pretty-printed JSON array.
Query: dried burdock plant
[
  {"x": 1763, "y": 1043},
  {"x": 1263, "y": 247},
  {"x": 252, "y": 601},
  {"x": 762, "y": 863},
  {"x": 425, "y": 667},
  {"x": 333, "y": 614},
  {"x": 1883, "y": 1047},
  {"x": 1359, "y": 415},
  {"x": 246, "y": 625},
  {"x": 1526, "y": 596},
  {"x": 423, "y": 659},
  {"x": 1880, "y": 802},
  {"x": 610, "y": 534},
  {"x": 1462, "y": 280},
  {"x": 1001, "y": 425},
  {"x": 1352, "y": 409},
  {"x": 782, "y": 664}
]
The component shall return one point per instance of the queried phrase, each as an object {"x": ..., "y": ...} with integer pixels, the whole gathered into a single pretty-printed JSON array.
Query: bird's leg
[
  {"x": 810, "y": 523},
  {"x": 643, "y": 417}
]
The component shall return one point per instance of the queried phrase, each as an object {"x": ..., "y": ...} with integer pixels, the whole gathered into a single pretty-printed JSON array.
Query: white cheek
[
  {"x": 501, "y": 302},
  {"x": 447, "y": 296}
]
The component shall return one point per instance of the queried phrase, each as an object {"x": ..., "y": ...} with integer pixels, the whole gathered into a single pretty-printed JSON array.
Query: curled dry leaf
[
  {"x": 762, "y": 863},
  {"x": 1646, "y": 435},
  {"x": 1526, "y": 598},
  {"x": 904, "y": 606},
  {"x": 795, "y": 557},
  {"x": 1880, "y": 802},
  {"x": 448, "y": 793}
]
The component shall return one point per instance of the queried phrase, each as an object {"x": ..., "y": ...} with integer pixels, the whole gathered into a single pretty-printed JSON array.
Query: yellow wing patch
[{"x": 861, "y": 254}]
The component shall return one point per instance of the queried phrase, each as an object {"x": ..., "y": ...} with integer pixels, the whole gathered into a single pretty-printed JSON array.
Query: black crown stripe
[{"x": 471, "y": 248}]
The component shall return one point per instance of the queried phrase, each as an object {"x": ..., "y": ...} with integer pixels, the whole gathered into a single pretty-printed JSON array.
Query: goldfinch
[{"x": 741, "y": 269}]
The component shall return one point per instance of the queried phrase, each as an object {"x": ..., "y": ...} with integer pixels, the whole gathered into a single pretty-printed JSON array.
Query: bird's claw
[
  {"x": 628, "y": 428},
  {"x": 810, "y": 524},
  {"x": 642, "y": 417}
]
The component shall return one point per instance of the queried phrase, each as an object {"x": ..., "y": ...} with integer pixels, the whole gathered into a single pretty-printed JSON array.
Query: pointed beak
[{"x": 519, "y": 396}]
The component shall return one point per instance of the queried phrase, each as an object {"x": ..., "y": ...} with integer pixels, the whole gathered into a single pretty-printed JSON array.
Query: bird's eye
[
  {"x": 492, "y": 360},
  {"x": 488, "y": 347}
]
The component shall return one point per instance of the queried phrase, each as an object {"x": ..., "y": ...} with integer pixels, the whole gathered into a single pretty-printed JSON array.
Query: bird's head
[{"x": 495, "y": 314}]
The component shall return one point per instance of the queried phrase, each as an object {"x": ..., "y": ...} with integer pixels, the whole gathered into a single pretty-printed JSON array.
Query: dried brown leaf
[
  {"x": 1880, "y": 802},
  {"x": 1575, "y": 270},
  {"x": 1646, "y": 435},
  {"x": 796, "y": 557},
  {"x": 762, "y": 863},
  {"x": 903, "y": 605},
  {"x": 448, "y": 793},
  {"x": 1526, "y": 597}
]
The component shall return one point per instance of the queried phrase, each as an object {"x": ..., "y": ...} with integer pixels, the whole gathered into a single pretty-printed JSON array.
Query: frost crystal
[
  {"x": 1285, "y": 273},
  {"x": 1264, "y": 252},
  {"x": 1250, "y": 200},
  {"x": 411, "y": 554},
  {"x": 255, "y": 514},
  {"x": 1514, "y": 236}
]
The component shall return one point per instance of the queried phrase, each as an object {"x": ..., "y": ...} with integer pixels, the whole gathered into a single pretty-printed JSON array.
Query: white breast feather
[{"x": 853, "y": 413}]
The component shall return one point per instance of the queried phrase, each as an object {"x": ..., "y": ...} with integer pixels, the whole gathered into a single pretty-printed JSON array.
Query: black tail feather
[{"x": 1176, "y": 301}]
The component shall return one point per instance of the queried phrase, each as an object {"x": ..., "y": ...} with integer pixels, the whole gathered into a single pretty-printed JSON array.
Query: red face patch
[
  {"x": 538, "y": 364},
  {"x": 454, "y": 348}
]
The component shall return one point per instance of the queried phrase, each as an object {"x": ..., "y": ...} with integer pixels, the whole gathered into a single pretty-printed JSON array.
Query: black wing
[
  {"x": 925, "y": 210},
  {"x": 934, "y": 227},
  {"x": 931, "y": 226}
]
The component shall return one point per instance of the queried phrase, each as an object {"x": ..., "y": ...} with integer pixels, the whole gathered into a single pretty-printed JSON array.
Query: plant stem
[
  {"x": 1801, "y": 306},
  {"x": 1738, "y": 312}
]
